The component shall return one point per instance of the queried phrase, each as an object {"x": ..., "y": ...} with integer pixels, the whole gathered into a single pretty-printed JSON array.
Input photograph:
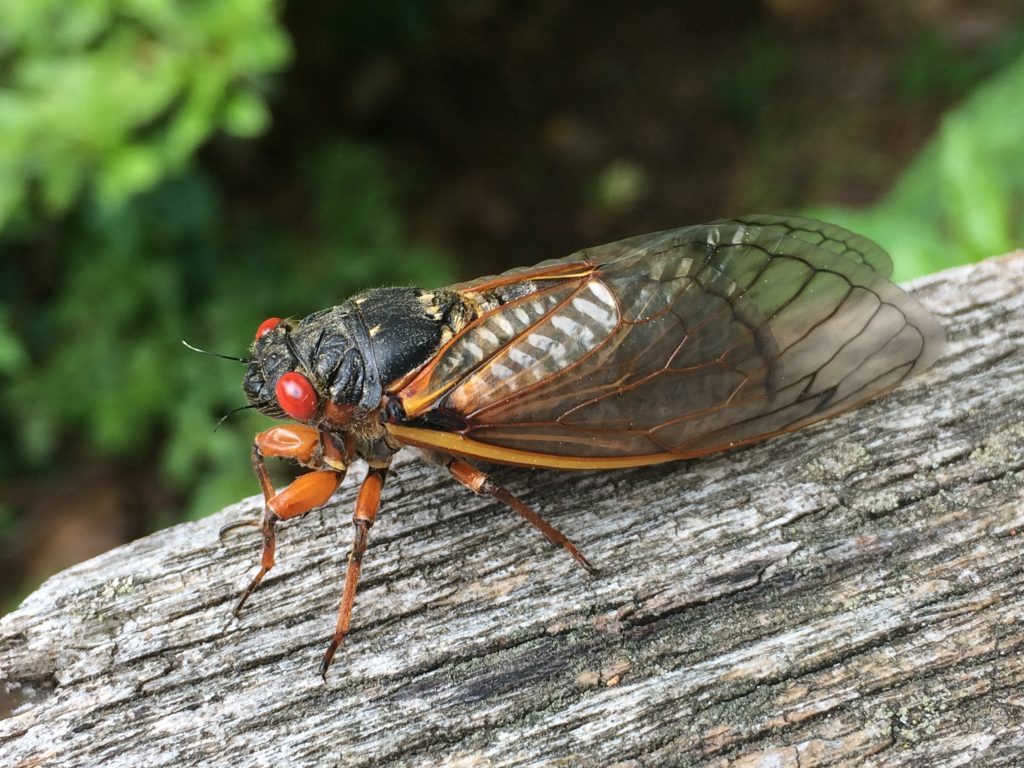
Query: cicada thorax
[
  {"x": 400, "y": 329},
  {"x": 330, "y": 369}
]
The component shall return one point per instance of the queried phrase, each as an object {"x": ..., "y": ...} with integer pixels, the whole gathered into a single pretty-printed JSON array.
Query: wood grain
[{"x": 849, "y": 594}]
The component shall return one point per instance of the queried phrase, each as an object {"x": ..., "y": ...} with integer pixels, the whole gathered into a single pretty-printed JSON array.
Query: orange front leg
[
  {"x": 367, "y": 505},
  {"x": 310, "y": 448}
]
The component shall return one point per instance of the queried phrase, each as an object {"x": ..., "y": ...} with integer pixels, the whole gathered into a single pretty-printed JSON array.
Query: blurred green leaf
[
  {"x": 120, "y": 94},
  {"x": 974, "y": 200},
  {"x": 12, "y": 353},
  {"x": 620, "y": 184},
  {"x": 246, "y": 115},
  {"x": 962, "y": 199}
]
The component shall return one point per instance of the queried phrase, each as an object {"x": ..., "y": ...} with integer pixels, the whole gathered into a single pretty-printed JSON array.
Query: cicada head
[{"x": 312, "y": 370}]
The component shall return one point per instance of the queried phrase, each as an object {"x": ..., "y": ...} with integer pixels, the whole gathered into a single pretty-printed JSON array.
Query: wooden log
[{"x": 851, "y": 593}]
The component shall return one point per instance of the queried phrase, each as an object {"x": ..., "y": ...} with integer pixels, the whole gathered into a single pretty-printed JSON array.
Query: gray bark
[{"x": 850, "y": 593}]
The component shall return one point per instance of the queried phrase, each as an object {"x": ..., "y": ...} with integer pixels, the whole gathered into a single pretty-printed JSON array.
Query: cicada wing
[
  {"x": 821, "y": 235},
  {"x": 677, "y": 344}
]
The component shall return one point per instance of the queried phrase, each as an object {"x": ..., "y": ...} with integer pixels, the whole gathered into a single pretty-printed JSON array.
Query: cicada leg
[
  {"x": 307, "y": 446},
  {"x": 367, "y": 504},
  {"x": 480, "y": 482}
]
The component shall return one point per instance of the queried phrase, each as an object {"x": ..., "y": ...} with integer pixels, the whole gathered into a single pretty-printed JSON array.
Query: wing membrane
[{"x": 677, "y": 344}]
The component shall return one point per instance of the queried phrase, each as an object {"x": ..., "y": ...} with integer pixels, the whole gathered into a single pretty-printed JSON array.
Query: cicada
[{"x": 656, "y": 348}]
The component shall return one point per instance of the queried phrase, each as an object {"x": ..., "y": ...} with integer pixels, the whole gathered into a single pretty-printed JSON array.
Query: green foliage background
[
  {"x": 962, "y": 199},
  {"x": 119, "y": 237},
  {"x": 118, "y": 95},
  {"x": 103, "y": 107}
]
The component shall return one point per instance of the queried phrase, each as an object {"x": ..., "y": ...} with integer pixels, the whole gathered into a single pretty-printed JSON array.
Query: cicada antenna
[
  {"x": 216, "y": 354},
  {"x": 232, "y": 412},
  {"x": 244, "y": 360}
]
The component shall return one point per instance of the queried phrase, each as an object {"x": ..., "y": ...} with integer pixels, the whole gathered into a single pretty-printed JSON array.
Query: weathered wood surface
[{"x": 852, "y": 593}]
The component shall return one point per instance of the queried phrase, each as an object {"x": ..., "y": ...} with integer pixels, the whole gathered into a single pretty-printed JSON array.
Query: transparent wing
[{"x": 679, "y": 343}]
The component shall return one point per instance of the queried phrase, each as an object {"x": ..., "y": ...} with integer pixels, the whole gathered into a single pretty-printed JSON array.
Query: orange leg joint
[
  {"x": 305, "y": 492},
  {"x": 308, "y": 447},
  {"x": 295, "y": 441}
]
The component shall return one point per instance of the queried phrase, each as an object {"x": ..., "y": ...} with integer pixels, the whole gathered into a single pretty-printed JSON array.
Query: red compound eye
[
  {"x": 267, "y": 325},
  {"x": 296, "y": 396}
]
